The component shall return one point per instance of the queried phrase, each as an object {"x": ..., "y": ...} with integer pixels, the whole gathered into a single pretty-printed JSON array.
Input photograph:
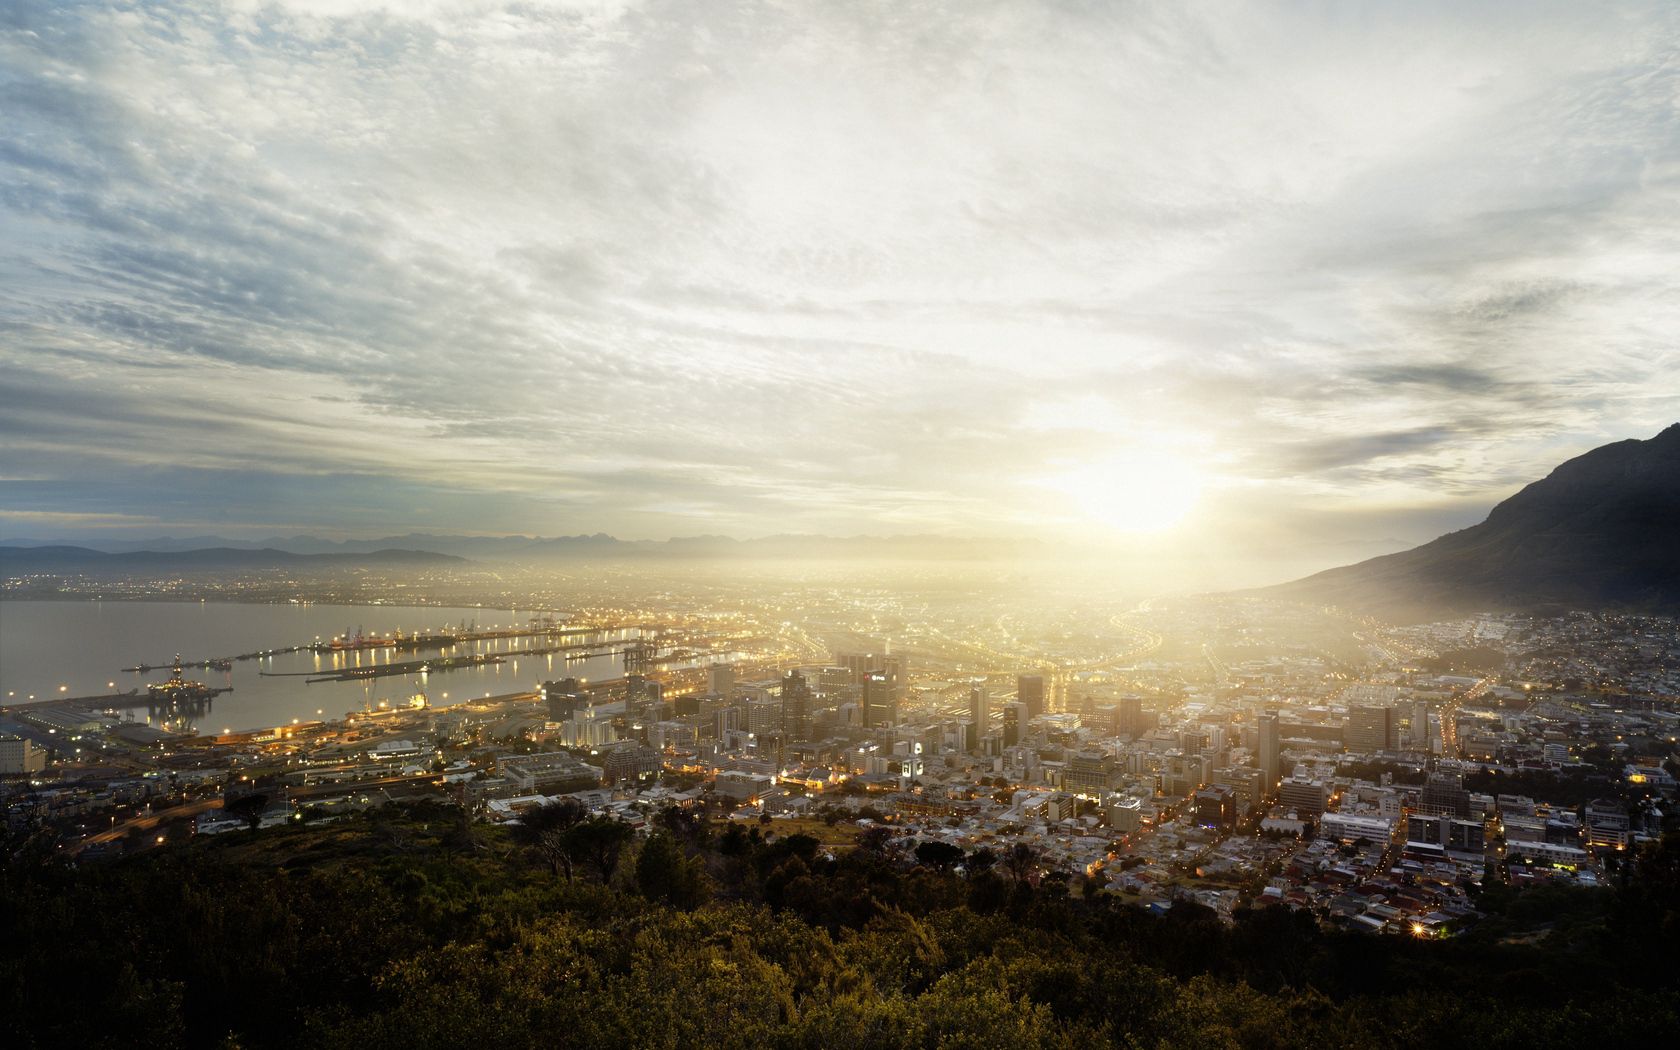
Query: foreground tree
[
  {"x": 665, "y": 873},
  {"x": 940, "y": 856},
  {"x": 599, "y": 843},
  {"x": 544, "y": 829}
]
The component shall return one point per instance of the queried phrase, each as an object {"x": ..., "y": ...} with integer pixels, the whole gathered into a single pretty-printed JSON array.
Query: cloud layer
[{"x": 665, "y": 268}]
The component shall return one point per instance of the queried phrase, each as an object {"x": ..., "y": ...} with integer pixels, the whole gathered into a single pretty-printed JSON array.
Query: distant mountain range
[
  {"x": 599, "y": 546},
  {"x": 59, "y": 559},
  {"x": 1602, "y": 531}
]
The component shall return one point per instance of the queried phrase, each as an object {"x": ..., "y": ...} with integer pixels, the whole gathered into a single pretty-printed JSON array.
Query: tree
[
  {"x": 248, "y": 808},
  {"x": 940, "y": 856},
  {"x": 544, "y": 829},
  {"x": 981, "y": 861},
  {"x": 598, "y": 842},
  {"x": 665, "y": 873},
  {"x": 1020, "y": 860},
  {"x": 876, "y": 840}
]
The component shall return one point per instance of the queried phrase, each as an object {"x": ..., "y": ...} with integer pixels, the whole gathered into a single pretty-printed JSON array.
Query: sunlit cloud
[{"x": 661, "y": 269}]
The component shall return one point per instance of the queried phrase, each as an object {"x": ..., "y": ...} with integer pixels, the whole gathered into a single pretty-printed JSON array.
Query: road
[
  {"x": 1449, "y": 726},
  {"x": 149, "y": 821}
]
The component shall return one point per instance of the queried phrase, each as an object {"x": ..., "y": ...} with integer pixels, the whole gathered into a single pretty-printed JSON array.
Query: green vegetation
[{"x": 412, "y": 929}]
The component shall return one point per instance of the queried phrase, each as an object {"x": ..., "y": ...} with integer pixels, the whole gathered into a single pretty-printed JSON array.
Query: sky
[{"x": 1317, "y": 277}]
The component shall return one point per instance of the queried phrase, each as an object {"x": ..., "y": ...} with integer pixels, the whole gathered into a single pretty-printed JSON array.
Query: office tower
[
  {"x": 1216, "y": 807},
  {"x": 720, "y": 679},
  {"x": 1370, "y": 728},
  {"x": 642, "y": 695},
  {"x": 1307, "y": 797},
  {"x": 878, "y": 702},
  {"x": 1130, "y": 716},
  {"x": 1014, "y": 723},
  {"x": 764, "y": 718},
  {"x": 1443, "y": 795},
  {"x": 563, "y": 698},
  {"x": 1091, "y": 771},
  {"x": 1608, "y": 825},
  {"x": 1244, "y": 782},
  {"x": 796, "y": 706},
  {"x": 1419, "y": 732},
  {"x": 863, "y": 662},
  {"x": 979, "y": 712},
  {"x": 1269, "y": 759},
  {"x": 1029, "y": 690}
]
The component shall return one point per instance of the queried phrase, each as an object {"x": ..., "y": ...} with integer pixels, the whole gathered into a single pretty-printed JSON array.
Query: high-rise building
[
  {"x": 720, "y": 679},
  {"x": 1269, "y": 758},
  {"x": 764, "y": 718},
  {"x": 796, "y": 707},
  {"x": 1607, "y": 824},
  {"x": 876, "y": 660},
  {"x": 1029, "y": 690},
  {"x": 1181, "y": 774},
  {"x": 563, "y": 698},
  {"x": 1443, "y": 795},
  {"x": 979, "y": 710},
  {"x": 1371, "y": 728},
  {"x": 1216, "y": 807},
  {"x": 1417, "y": 730},
  {"x": 1014, "y": 723},
  {"x": 1091, "y": 771},
  {"x": 1129, "y": 716},
  {"x": 1244, "y": 782},
  {"x": 20, "y": 755},
  {"x": 878, "y": 701},
  {"x": 1307, "y": 797}
]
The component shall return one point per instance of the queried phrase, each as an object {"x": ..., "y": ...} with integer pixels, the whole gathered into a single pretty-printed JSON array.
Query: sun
[{"x": 1140, "y": 491}]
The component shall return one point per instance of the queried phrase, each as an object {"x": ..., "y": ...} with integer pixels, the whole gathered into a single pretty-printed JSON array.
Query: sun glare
[{"x": 1140, "y": 492}]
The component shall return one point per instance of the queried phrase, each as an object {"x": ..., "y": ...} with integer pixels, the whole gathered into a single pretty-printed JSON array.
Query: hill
[
  {"x": 567, "y": 549},
  {"x": 17, "y": 561},
  {"x": 410, "y": 927},
  {"x": 1601, "y": 531}
]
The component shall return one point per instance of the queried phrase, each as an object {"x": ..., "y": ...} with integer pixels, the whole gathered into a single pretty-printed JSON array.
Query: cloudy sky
[{"x": 1329, "y": 274}]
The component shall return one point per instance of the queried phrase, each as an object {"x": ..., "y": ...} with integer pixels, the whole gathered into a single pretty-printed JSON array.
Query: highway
[
  {"x": 191, "y": 810},
  {"x": 149, "y": 821}
]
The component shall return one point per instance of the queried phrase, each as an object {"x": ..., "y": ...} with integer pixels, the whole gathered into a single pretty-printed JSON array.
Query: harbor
[{"x": 64, "y": 660}]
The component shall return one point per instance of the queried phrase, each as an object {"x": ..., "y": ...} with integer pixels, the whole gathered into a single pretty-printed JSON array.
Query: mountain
[
  {"x": 1602, "y": 531},
  {"x": 598, "y": 546},
  {"x": 15, "y": 561}
]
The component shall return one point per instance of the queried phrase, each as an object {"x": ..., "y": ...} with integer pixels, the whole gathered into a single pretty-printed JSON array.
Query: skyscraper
[
  {"x": 1029, "y": 690},
  {"x": 1269, "y": 759},
  {"x": 720, "y": 679},
  {"x": 1014, "y": 723},
  {"x": 1129, "y": 715},
  {"x": 796, "y": 707},
  {"x": 1370, "y": 728},
  {"x": 878, "y": 704},
  {"x": 979, "y": 711}
]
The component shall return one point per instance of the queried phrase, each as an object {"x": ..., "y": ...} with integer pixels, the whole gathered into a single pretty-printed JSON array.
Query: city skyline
[{"x": 1135, "y": 276}]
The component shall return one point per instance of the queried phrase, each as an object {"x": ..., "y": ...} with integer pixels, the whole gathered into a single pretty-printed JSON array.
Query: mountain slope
[{"x": 1601, "y": 531}]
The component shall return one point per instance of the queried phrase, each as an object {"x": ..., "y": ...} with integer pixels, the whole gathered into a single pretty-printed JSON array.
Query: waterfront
[{"x": 74, "y": 649}]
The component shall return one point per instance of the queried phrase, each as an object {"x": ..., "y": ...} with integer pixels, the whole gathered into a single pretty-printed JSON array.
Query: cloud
[{"x": 656, "y": 268}]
